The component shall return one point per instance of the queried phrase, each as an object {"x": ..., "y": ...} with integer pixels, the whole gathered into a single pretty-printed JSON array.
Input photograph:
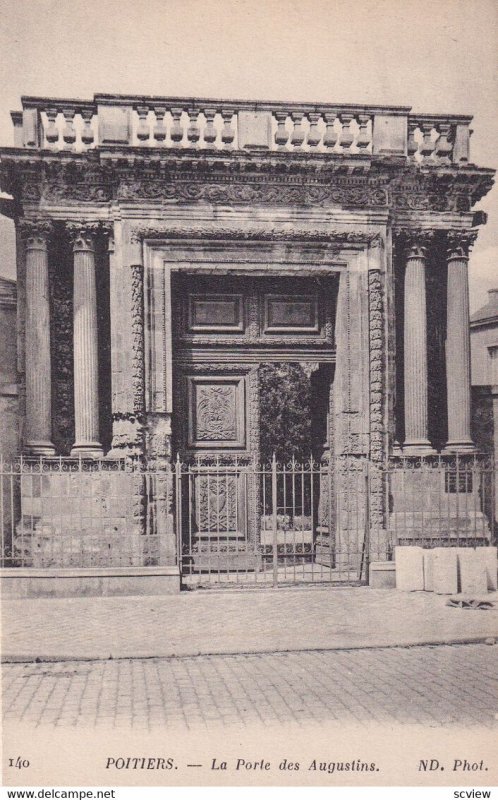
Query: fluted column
[
  {"x": 85, "y": 342},
  {"x": 415, "y": 343},
  {"x": 458, "y": 341},
  {"x": 38, "y": 436}
]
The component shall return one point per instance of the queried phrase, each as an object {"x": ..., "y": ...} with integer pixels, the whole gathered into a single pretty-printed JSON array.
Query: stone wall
[{"x": 86, "y": 516}]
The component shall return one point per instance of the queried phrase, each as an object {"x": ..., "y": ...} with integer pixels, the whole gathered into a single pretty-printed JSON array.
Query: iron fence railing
[{"x": 227, "y": 520}]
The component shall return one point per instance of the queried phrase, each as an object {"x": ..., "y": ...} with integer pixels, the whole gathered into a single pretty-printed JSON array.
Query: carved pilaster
[
  {"x": 376, "y": 339},
  {"x": 128, "y": 426},
  {"x": 85, "y": 340},
  {"x": 458, "y": 340},
  {"x": 38, "y": 438},
  {"x": 137, "y": 324}
]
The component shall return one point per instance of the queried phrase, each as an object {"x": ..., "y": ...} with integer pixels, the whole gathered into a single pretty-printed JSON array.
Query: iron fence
[{"x": 231, "y": 521}]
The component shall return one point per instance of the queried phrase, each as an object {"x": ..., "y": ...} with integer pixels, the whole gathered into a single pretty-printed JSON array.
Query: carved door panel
[{"x": 215, "y": 442}]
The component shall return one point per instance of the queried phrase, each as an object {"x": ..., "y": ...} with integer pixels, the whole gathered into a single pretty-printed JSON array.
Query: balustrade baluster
[
  {"x": 228, "y": 133},
  {"x": 428, "y": 145},
  {"x": 177, "y": 127},
  {"x": 314, "y": 136},
  {"x": 412, "y": 147},
  {"x": 363, "y": 139},
  {"x": 193, "y": 130},
  {"x": 52, "y": 132},
  {"x": 281, "y": 134},
  {"x": 159, "y": 131},
  {"x": 69, "y": 133},
  {"x": 443, "y": 146},
  {"x": 297, "y": 137},
  {"x": 330, "y": 138},
  {"x": 87, "y": 135},
  {"x": 347, "y": 137},
  {"x": 143, "y": 129},
  {"x": 210, "y": 132}
]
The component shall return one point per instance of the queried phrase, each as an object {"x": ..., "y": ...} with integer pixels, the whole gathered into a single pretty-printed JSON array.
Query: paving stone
[{"x": 263, "y": 688}]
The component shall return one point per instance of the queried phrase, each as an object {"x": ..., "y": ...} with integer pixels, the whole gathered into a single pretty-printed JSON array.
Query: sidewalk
[{"x": 222, "y": 622}]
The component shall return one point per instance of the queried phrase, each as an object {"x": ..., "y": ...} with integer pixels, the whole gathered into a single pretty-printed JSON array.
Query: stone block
[
  {"x": 114, "y": 124},
  {"x": 490, "y": 557},
  {"x": 409, "y": 563},
  {"x": 254, "y": 130},
  {"x": 31, "y": 127},
  {"x": 90, "y": 582},
  {"x": 382, "y": 575},
  {"x": 444, "y": 570},
  {"x": 461, "y": 144},
  {"x": 428, "y": 570},
  {"x": 472, "y": 569},
  {"x": 390, "y": 134}
]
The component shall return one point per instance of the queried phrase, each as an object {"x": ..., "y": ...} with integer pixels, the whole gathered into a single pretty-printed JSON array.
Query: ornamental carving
[
  {"x": 82, "y": 234},
  {"x": 127, "y": 432},
  {"x": 61, "y": 340},
  {"x": 215, "y": 413},
  {"x": 137, "y": 335},
  {"x": 376, "y": 341},
  {"x": 35, "y": 231},
  {"x": 246, "y": 178},
  {"x": 459, "y": 243},
  {"x": 412, "y": 242},
  {"x": 217, "y": 503},
  {"x": 252, "y": 192},
  {"x": 332, "y": 236}
]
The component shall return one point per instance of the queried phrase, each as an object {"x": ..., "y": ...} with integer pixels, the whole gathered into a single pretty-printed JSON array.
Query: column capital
[
  {"x": 82, "y": 234},
  {"x": 35, "y": 232},
  {"x": 459, "y": 243},
  {"x": 414, "y": 243}
]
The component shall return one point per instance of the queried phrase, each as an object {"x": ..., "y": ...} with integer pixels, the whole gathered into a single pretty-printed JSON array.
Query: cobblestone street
[{"x": 434, "y": 686}]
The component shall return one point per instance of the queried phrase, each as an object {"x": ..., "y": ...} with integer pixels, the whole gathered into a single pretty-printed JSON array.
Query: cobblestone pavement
[
  {"x": 235, "y": 622},
  {"x": 436, "y": 686}
]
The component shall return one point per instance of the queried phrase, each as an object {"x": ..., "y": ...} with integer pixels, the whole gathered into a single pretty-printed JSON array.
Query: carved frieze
[
  {"x": 253, "y": 233},
  {"x": 244, "y": 190},
  {"x": 87, "y": 178}
]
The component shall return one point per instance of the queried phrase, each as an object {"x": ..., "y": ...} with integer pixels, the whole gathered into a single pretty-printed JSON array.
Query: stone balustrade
[{"x": 156, "y": 122}]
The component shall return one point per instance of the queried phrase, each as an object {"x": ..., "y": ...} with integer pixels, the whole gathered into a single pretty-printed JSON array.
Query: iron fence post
[
  {"x": 365, "y": 550},
  {"x": 178, "y": 508},
  {"x": 274, "y": 515}
]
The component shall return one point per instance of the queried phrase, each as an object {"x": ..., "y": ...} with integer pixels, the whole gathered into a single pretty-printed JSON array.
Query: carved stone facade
[{"x": 344, "y": 253}]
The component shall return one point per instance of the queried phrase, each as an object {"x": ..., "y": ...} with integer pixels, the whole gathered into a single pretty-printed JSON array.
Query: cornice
[{"x": 276, "y": 179}]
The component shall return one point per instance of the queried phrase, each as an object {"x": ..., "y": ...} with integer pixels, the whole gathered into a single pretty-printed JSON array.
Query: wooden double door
[{"x": 228, "y": 332}]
